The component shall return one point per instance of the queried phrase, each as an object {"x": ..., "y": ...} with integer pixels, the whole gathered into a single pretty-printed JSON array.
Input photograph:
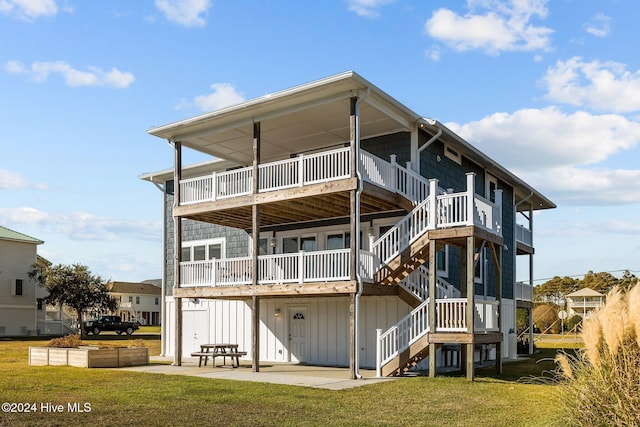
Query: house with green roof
[{"x": 18, "y": 295}]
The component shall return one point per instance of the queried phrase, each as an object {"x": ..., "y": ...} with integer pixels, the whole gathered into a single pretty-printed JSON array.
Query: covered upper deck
[{"x": 316, "y": 116}]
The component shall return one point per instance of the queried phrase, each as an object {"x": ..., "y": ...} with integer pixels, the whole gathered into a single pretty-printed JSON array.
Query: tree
[
  {"x": 544, "y": 316},
  {"x": 600, "y": 282},
  {"x": 555, "y": 289},
  {"x": 75, "y": 287}
]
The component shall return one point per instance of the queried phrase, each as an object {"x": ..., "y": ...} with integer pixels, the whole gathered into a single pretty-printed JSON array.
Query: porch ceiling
[{"x": 297, "y": 120}]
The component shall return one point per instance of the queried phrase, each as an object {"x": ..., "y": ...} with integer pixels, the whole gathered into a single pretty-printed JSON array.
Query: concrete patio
[{"x": 330, "y": 378}]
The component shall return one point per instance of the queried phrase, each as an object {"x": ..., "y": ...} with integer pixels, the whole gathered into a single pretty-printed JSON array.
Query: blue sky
[{"x": 551, "y": 89}]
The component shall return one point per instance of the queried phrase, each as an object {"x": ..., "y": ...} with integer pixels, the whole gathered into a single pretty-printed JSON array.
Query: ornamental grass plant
[{"x": 600, "y": 384}]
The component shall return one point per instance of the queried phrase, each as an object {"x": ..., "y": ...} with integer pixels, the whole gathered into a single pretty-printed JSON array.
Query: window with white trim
[
  {"x": 442, "y": 262},
  {"x": 201, "y": 250}
]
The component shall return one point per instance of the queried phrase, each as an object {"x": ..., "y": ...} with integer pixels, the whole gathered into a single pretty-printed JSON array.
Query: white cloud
[
  {"x": 433, "y": 53},
  {"x": 571, "y": 185},
  {"x": 187, "y": 13},
  {"x": 82, "y": 225},
  {"x": 223, "y": 95},
  {"x": 13, "y": 180},
  {"x": 599, "y": 26},
  {"x": 28, "y": 10},
  {"x": 601, "y": 86},
  {"x": 562, "y": 154},
  {"x": 93, "y": 76},
  {"x": 503, "y": 26},
  {"x": 367, "y": 8}
]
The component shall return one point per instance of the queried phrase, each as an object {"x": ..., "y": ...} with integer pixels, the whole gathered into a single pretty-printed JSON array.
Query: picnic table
[{"x": 223, "y": 350}]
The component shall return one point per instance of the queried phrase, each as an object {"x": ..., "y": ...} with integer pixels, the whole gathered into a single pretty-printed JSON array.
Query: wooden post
[
  {"x": 177, "y": 253},
  {"x": 354, "y": 238},
  {"x": 255, "y": 231},
  {"x": 471, "y": 305},
  {"x": 497, "y": 261},
  {"x": 530, "y": 281},
  {"x": 433, "y": 271}
]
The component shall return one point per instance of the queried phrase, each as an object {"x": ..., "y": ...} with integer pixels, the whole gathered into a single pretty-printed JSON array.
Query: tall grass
[{"x": 601, "y": 383}]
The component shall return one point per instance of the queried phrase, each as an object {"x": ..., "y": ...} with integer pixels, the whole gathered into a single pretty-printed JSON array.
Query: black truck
[{"x": 110, "y": 323}]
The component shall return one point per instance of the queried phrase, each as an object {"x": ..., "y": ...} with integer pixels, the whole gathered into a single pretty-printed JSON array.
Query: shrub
[
  {"x": 137, "y": 343},
  {"x": 544, "y": 316},
  {"x": 573, "y": 322},
  {"x": 68, "y": 341},
  {"x": 600, "y": 383}
]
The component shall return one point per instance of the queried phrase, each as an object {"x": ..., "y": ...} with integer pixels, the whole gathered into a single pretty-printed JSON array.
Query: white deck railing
[
  {"x": 523, "y": 291},
  {"x": 299, "y": 267},
  {"x": 524, "y": 235},
  {"x": 303, "y": 170},
  {"x": 440, "y": 211},
  {"x": 417, "y": 283},
  {"x": 404, "y": 333},
  {"x": 451, "y": 316}
]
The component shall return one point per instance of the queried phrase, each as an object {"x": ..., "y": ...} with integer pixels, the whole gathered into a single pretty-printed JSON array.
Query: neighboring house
[
  {"x": 584, "y": 302},
  {"x": 335, "y": 226},
  {"x": 137, "y": 302},
  {"x": 18, "y": 294}
]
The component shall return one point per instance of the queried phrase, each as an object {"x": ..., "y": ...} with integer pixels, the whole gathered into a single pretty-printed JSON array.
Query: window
[
  {"x": 492, "y": 186},
  {"x": 442, "y": 262},
  {"x": 40, "y": 303},
  {"x": 384, "y": 228},
  {"x": 137, "y": 300},
  {"x": 289, "y": 245},
  {"x": 157, "y": 301},
  {"x": 308, "y": 244},
  {"x": 202, "y": 250},
  {"x": 479, "y": 267},
  {"x": 186, "y": 254},
  {"x": 263, "y": 246},
  {"x": 335, "y": 241},
  {"x": 340, "y": 241},
  {"x": 130, "y": 299},
  {"x": 18, "y": 289},
  {"x": 199, "y": 253}
]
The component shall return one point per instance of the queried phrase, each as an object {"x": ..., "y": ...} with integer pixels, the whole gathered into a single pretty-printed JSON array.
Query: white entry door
[
  {"x": 195, "y": 330},
  {"x": 298, "y": 334}
]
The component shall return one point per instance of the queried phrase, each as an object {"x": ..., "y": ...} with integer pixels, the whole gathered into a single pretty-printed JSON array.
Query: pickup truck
[{"x": 110, "y": 323}]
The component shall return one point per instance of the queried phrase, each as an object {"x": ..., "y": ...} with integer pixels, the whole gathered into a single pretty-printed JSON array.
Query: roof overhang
[
  {"x": 304, "y": 118},
  {"x": 309, "y": 117},
  {"x": 526, "y": 196}
]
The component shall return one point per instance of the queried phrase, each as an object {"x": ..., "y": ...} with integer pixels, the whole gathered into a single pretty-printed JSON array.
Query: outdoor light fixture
[
  {"x": 273, "y": 242},
  {"x": 277, "y": 313}
]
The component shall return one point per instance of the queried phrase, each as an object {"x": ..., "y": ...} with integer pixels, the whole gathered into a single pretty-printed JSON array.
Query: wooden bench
[{"x": 235, "y": 357}]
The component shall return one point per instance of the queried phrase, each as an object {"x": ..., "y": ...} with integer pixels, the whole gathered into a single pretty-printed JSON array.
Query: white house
[
  {"x": 335, "y": 226},
  {"x": 583, "y": 302},
  {"x": 137, "y": 302},
  {"x": 18, "y": 294}
]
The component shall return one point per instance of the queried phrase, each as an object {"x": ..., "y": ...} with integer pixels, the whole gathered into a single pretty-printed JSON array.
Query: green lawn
[{"x": 122, "y": 398}]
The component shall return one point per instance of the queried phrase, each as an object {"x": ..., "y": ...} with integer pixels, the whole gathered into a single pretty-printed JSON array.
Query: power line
[{"x": 584, "y": 274}]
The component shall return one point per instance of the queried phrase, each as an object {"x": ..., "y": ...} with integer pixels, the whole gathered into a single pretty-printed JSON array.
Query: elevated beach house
[
  {"x": 20, "y": 307},
  {"x": 335, "y": 226}
]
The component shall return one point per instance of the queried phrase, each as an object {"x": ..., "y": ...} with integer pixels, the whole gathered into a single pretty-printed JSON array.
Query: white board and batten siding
[{"x": 309, "y": 330}]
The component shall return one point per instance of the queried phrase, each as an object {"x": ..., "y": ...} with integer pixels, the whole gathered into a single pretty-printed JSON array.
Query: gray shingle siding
[
  {"x": 434, "y": 164},
  {"x": 236, "y": 243},
  {"x": 386, "y": 145}
]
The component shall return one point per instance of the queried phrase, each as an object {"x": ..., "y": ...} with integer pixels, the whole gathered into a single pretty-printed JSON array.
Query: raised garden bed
[{"x": 89, "y": 356}]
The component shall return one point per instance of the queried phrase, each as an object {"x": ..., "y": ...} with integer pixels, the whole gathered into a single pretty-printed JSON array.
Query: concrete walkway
[{"x": 275, "y": 373}]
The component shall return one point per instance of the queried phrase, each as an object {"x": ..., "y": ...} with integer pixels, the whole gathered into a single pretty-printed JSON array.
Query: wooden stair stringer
[
  {"x": 405, "y": 263},
  {"x": 408, "y": 358}
]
